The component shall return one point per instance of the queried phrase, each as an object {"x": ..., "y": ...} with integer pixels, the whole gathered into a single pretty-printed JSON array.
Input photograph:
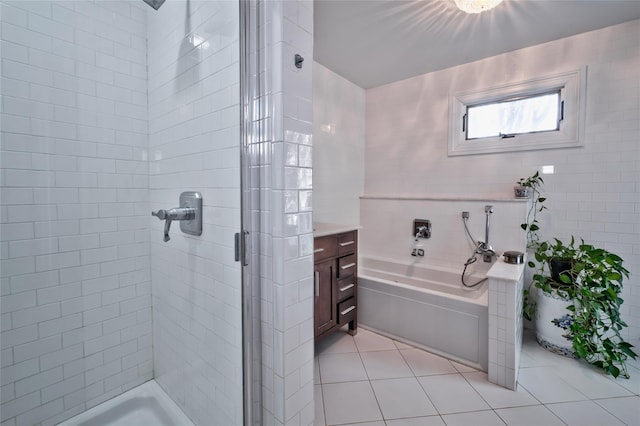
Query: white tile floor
[{"x": 371, "y": 380}]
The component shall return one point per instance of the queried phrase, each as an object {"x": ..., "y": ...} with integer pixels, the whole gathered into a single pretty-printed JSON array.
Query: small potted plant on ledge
[
  {"x": 578, "y": 306},
  {"x": 530, "y": 188}
]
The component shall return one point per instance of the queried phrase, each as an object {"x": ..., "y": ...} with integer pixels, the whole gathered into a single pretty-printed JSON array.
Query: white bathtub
[{"x": 426, "y": 307}]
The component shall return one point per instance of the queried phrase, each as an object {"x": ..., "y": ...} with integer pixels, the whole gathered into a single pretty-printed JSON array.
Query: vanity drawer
[
  {"x": 347, "y": 243},
  {"x": 346, "y": 288},
  {"x": 347, "y": 266},
  {"x": 347, "y": 311},
  {"x": 324, "y": 247}
]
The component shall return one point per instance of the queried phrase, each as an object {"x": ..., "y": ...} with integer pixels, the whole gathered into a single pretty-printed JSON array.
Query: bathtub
[
  {"x": 145, "y": 405},
  {"x": 425, "y": 306}
]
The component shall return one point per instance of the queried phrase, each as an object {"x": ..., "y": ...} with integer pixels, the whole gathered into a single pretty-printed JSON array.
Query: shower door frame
[{"x": 247, "y": 249}]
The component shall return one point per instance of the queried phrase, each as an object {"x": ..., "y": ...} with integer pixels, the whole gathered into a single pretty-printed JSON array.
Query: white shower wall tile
[
  {"x": 288, "y": 317},
  {"x": 194, "y": 141},
  {"x": 68, "y": 94}
]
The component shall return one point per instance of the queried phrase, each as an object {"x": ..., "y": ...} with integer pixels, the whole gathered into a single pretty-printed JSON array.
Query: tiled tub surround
[
  {"x": 426, "y": 307},
  {"x": 392, "y": 278},
  {"x": 506, "y": 284}
]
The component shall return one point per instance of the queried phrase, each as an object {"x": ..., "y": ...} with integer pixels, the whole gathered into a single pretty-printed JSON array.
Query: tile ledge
[
  {"x": 444, "y": 197},
  {"x": 502, "y": 270}
]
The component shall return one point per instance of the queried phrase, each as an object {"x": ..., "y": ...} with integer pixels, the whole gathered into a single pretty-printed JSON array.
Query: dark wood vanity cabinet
[{"x": 336, "y": 283}]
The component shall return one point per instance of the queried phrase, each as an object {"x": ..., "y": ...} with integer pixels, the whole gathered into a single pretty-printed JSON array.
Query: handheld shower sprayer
[
  {"x": 482, "y": 247},
  {"x": 485, "y": 248}
]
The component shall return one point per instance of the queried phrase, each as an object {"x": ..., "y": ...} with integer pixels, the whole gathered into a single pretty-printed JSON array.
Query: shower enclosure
[{"x": 110, "y": 110}]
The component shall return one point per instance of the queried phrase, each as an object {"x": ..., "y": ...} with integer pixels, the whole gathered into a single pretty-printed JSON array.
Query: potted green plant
[
  {"x": 530, "y": 188},
  {"x": 588, "y": 280}
]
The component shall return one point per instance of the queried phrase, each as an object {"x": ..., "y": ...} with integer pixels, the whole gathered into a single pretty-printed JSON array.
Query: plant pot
[
  {"x": 522, "y": 191},
  {"x": 558, "y": 266},
  {"x": 552, "y": 323}
]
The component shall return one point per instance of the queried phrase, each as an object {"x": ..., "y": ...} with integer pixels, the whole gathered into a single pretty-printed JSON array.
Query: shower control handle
[
  {"x": 178, "y": 213},
  {"x": 189, "y": 214}
]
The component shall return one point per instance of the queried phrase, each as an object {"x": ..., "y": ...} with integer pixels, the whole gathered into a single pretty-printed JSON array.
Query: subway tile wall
[
  {"x": 594, "y": 193},
  {"x": 282, "y": 170},
  {"x": 76, "y": 291},
  {"x": 194, "y": 145}
]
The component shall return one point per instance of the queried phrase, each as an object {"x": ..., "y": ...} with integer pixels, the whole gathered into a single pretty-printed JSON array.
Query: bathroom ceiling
[{"x": 374, "y": 42}]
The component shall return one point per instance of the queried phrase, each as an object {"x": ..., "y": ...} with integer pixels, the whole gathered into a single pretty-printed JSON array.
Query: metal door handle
[
  {"x": 318, "y": 250},
  {"x": 347, "y": 287},
  {"x": 317, "y": 282},
  {"x": 346, "y": 243},
  {"x": 350, "y": 265}
]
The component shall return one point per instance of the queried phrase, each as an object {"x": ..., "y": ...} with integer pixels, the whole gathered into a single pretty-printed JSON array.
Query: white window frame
[{"x": 572, "y": 86}]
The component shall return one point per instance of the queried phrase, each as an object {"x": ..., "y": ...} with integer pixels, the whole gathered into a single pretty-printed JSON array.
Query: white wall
[
  {"x": 594, "y": 193},
  {"x": 76, "y": 292},
  {"x": 194, "y": 145},
  {"x": 387, "y": 225},
  {"x": 338, "y": 147}
]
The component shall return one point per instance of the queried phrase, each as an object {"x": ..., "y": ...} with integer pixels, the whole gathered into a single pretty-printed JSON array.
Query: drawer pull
[
  {"x": 346, "y": 311},
  {"x": 318, "y": 250},
  {"x": 347, "y": 287},
  {"x": 346, "y": 243},
  {"x": 350, "y": 265},
  {"x": 317, "y": 282}
]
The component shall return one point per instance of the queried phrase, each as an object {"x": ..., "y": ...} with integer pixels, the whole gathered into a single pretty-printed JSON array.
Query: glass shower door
[{"x": 194, "y": 145}]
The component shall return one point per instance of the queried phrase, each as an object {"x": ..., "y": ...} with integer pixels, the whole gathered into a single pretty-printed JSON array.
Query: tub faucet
[
  {"x": 484, "y": 248},
  {"x": 423, "y": 232}
]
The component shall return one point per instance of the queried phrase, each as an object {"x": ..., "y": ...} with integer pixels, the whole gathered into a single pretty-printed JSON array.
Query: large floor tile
[
  {"x": 450, "y": 393},
  {"x": 399, "y": 398},
  {"x": 401, "y": 345},
  {"x": 591, "y": 382},
  {"x": 463, "y": 368},
  {"x": 546, "y": 386},
  {"x": 497, "y": 396},
  {"x": 427, "y": 364},
  {"x": 380, "y": 423},
  {"x": 626, "y": 409},
  {"x": 417, "y": 421},
  {"x": 350, "y": 402},
  {"x": 534, "y": 355},
  {"x": 583, "y": 413},
  {"x": 345, "y": 367},
  {"x": 632, "y": 384},
  {"x": 369, "y": 341},
  {"x": 474, "y": 418},
  {"x": 385, "y": 365},
  {"x": 318, "y": 419},
  {"x": 535, "y": 415},
  {"x": 338, "y": 342}
]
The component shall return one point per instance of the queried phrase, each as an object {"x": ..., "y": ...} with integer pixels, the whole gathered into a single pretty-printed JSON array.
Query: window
[{"x": 538, "y": 114}]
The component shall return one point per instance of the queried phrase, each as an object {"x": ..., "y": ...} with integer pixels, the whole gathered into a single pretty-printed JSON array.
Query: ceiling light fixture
[{"x": 476, "y": 6}]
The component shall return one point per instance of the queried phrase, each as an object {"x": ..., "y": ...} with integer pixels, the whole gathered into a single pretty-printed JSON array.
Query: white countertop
[{"x": 321, "y": 229}]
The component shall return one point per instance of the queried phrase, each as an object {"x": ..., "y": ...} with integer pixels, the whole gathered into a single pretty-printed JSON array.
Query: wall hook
[{"x": 298, "y": 60}]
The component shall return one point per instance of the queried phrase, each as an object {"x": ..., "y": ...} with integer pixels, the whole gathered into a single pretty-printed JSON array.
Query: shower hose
[{"x": 473, "y": 259}]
